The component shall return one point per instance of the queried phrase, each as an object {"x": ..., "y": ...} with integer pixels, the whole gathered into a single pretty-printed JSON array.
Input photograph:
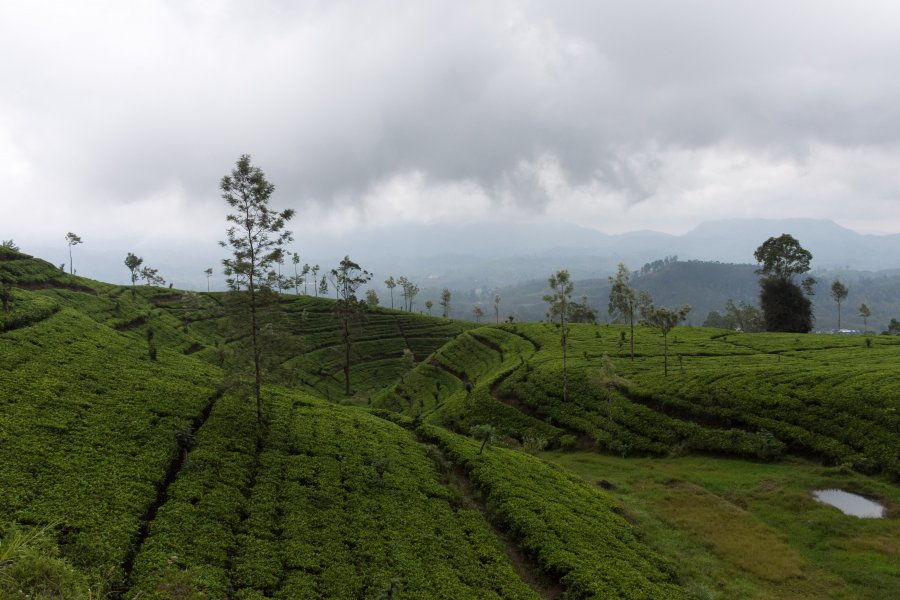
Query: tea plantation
[{"x": 132, "y": 465}]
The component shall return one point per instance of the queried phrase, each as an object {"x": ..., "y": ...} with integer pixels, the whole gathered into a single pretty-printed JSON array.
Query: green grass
[
  {"x": 739, "y": 529},
  {"x": 390, "y": 497}
]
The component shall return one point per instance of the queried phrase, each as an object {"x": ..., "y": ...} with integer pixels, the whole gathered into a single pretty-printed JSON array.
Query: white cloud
[{"x": 120, "y": 118}]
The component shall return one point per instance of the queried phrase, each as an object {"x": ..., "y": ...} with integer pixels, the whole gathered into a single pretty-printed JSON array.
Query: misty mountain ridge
[{"x": 499, "y": 253}]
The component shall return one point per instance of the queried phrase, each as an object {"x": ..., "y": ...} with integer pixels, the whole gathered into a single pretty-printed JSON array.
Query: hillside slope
[{"x": 125, "y": 440}]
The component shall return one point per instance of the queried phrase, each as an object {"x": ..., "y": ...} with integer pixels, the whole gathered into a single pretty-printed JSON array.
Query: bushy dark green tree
[
  {"x": 744, "y": 317},
  {"x": 582, "y": 312},
  {"x": 784, "y": 306},
  {"x": 256, "y": 237},
  {"x": 715, "y": 319}
]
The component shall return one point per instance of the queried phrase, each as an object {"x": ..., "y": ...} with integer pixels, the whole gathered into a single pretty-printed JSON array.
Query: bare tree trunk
[
  {"x": 347, "y": 347},
  {"x": 632, "y": 334},
  {"x": 665, "y": 355},
  {"x": 254, "y": 335},
  {"x": 565, "y": 340}
]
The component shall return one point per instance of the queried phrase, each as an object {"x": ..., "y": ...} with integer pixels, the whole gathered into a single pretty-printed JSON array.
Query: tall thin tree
[
  {"x": 391, "y": 284},
  {"x": 839, "y": 292},
  {"x": 622, "y": 299},
  {"x": 445, "y": 302},
  {"x": 133, "y": 262},
  {"x": 255, "y": 238},
  {"x": 295, "y": 258},
  {"x": 72, "y": 240},
  {"x": 348, "y": 278},
  {"x": 865, "y": 313},
  {"x": 560, "y": 301}
]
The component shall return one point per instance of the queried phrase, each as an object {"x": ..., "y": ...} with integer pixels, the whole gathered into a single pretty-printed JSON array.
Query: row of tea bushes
[{"x": 571, "y": 531}]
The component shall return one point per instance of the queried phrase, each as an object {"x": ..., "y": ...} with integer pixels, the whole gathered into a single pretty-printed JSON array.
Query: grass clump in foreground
[{"x": 32, "y": 569}]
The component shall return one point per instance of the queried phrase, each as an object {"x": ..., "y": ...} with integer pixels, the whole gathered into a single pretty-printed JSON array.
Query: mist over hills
[
  {"x": 707, "y": 286},
  {"x": 477, "y": 260}
]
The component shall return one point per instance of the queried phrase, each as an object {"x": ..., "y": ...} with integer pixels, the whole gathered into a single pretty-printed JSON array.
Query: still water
[{"x": 850, "y": 504}]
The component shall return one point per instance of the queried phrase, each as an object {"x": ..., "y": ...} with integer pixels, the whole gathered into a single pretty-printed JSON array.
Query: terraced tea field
[{"x": 132, "y": 466}]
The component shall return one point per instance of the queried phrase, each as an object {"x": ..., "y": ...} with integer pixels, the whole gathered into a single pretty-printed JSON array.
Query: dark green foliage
[
  {"x": 782, "y": 257},
  {"x": 87, "y": 430},
  {"x": 571, "y": 531},
  {"x": 340, "y": 505},
  {"x": 582, "y": 312},
  {"x": 6, "y": 294},
  {"x": 893, "y": 327},
  {"x": 742, "y": 316},
  {"x": 785, "y": 307},
  {"x": 715, "y": 319}
]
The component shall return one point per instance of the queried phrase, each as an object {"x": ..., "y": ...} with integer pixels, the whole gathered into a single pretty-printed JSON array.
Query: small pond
[{"x": 850, "y": 504}]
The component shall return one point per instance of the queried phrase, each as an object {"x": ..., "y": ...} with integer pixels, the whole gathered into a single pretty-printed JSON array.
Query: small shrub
[{"x": 533, "y": 445}]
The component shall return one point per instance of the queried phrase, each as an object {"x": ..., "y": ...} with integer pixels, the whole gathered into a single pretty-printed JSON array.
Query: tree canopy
[
  {"x": 783, "y": 258},
  {"x": 784, "y": 306}
]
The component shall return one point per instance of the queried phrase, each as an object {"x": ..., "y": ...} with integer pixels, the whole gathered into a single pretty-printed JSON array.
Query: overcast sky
[{"x": 118, "y": 119}]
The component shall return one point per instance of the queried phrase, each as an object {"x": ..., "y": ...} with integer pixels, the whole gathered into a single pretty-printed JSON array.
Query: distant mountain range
[
  {"x": 481, "y": 257},
  {"x": 500, "y": 254}
]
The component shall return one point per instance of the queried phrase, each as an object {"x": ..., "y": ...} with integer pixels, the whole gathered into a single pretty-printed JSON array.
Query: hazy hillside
[
  {"x": 706, "y": 286},
  {"x": 490, "y": 255}
]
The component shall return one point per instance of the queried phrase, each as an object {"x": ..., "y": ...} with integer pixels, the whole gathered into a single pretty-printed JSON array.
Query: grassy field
[
  {"x": 132, "y": 466},
  {"x": 742, "y": 529}
]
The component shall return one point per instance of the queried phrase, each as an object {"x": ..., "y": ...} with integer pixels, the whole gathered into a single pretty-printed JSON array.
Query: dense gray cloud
[{"x": 122, "y": 117}]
